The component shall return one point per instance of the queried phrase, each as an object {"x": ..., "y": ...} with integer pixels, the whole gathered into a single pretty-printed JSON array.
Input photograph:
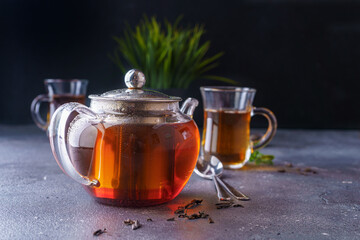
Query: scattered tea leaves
[
  {"x": 182, "y": 211},
  {"x": 136, "y": 225},
  {"x": 149, "y": 220},
  {"x": 198, "y": 215},
  {"x": 170, "y": 219},
  {"x": 99, "y": 232},
  {"x": 302, "y": 171}
]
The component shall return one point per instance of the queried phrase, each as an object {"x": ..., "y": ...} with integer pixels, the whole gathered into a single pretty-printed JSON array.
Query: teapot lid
[{"x": 135, "y": 80}]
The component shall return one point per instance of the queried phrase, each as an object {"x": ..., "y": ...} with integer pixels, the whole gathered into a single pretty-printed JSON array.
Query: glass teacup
[
  {"x": 227, "y": 115},
  {"x": 60, "y": 91}
]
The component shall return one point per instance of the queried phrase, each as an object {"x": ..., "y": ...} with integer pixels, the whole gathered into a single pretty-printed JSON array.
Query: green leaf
[{"x": 259, "y": 158}]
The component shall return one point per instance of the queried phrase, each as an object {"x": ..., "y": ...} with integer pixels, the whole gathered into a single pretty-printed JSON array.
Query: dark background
[{"x": 303, "y": 57}]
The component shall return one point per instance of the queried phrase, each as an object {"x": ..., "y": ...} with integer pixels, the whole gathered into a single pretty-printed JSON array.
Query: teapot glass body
[{"x": 138, "y": 157}]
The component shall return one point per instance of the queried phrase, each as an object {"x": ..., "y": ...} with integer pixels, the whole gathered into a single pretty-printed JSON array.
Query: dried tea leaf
[
  {"x": 170, "y": 219},
  {"x": 203, "y": 214},
  {"x": 99, "y": 232},
  {"x": 129, "y": 222},
  {"x": 197, "y": 201},
  {"x": 193, "y": 203},
  {"x": 210, "y": 220},
  {"x": 183, "y": 215},
  {"x": 223, "y": 205},
  {"x": 282, "y": 170},
  {"x": 149, "y": 220},
  {"x": 180, "y": 210},
  {"x": 307, "y": 169},
  {"x": 136, "y": 225},
  {"x": 193, "y": 216},
  {"x": 289, "y": 165},
  {"x": 237, "y": 205}
]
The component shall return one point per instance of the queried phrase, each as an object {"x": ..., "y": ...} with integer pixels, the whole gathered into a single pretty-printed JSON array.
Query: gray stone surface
[{"x": 38, "y": 201}]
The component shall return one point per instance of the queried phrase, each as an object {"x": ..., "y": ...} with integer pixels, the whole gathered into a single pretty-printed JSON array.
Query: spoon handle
[
  {"x": 235, "y": 193},
  {"x": 221, "y": 193}
]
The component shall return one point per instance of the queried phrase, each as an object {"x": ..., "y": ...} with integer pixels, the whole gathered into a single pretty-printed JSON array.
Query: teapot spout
[{"x": 189, "y": 106}]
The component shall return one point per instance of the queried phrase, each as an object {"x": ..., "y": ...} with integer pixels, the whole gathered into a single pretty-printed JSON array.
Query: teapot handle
[
  {"x": 189, "y": 106},
  {"x": 57, "y": 134}
]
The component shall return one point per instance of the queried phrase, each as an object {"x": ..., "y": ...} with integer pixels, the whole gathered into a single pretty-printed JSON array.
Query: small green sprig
[{"x": 260, "y": 158}]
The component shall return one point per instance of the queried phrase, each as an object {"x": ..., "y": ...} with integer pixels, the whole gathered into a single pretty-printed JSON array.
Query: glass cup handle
[
  {"x": 35, "y": 111},
  {"x": 271, "y": 130},
  {"x": 57, "y": 132}
]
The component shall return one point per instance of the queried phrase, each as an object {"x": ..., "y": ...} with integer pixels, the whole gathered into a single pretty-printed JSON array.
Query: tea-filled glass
[
  {"x": 132, "y": 147},
  {"x": 226, "y": 133},
  {"x": 60, "y": 91}
]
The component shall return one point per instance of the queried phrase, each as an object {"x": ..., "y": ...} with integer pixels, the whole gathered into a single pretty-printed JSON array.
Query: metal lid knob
[{"x": 135, "y": 79}]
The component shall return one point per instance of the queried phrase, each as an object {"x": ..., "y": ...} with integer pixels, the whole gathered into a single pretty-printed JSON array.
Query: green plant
[{"x": 170, "y": 56}]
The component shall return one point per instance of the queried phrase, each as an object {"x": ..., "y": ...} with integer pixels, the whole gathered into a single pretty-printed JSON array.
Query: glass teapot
[{"x": 132, "y": 147}]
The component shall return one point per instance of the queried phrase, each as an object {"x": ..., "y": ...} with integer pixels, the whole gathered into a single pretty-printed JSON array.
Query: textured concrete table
[{"x": 38, "y": 201}]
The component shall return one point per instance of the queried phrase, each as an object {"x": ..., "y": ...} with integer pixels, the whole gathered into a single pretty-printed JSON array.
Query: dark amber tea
[
  {"x": 226, "y": 135},
  {"x": 60, "y": 91},
  {"x": 81, "y": 158},
  {"x": 139, "y": 164},
  {"x": 58, "y": 100}
]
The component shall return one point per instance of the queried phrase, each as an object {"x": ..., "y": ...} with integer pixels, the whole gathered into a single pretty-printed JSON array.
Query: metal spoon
[{"x": 212, "y": 170}]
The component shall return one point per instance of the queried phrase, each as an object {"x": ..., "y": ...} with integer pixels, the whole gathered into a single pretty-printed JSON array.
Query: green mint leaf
[{"x": 259, "y": 158}]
